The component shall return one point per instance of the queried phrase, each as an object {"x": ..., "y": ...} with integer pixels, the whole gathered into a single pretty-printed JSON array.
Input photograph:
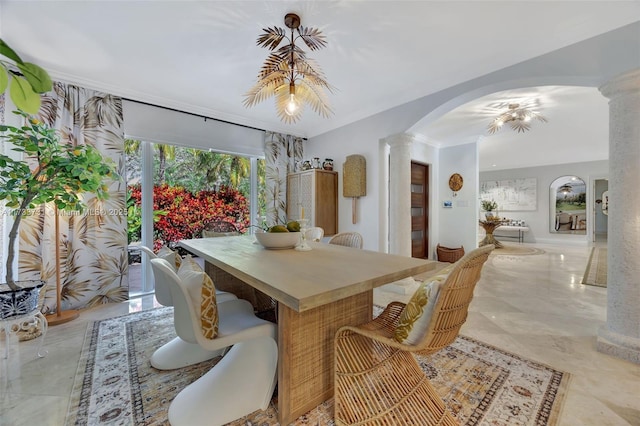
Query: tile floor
[{"x": 533, "y": 306}]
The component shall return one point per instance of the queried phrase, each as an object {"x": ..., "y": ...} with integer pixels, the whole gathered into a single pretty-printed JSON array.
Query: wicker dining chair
[
  {"x": 219, "y": 228},
  {"x": 348, "y": 239},
  {"x": 377, "y": 379}
]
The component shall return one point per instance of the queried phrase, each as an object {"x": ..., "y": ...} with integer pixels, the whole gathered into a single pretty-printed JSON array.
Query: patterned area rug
[
  {"x": 596, "y": 272},
  {"x": 115, "y": 383}
]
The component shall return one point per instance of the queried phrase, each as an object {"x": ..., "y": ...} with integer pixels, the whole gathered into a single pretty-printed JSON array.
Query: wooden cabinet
[{"x": 315, "y": 191}]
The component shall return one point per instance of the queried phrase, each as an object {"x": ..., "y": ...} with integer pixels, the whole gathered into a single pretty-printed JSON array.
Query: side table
[
  {"x": 490, "y": 226},
  {"x": 25, "y": 322}
]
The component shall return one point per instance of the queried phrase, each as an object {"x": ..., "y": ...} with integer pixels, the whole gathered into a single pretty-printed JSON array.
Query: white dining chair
[
  {"x": 172, "y": 355},
  {"x": 241, "y": 383},
  {"x": 162, "y": 292},
  {"x": 244, "y": 380},
  {"x": 237, "y": 322},
  {"x": 314, "y": 233}
]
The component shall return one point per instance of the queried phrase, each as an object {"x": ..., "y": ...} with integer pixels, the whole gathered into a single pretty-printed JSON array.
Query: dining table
[{"x": 315, "y": 293}]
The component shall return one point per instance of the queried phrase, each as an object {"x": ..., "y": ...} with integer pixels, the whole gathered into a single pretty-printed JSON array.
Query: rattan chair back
[
  {"x": 348, "y": 239},
  {"x": 450, "y": 311},
  {"x": 220, "y": 226}
]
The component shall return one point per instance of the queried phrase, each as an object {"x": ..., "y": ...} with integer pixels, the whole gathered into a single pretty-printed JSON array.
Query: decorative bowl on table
[{"x": 278, "y": 240}]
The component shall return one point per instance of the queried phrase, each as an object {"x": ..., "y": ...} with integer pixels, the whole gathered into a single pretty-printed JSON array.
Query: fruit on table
[
  {"x": 278, "y": 228},
  {"x": 293, "y": 226}
]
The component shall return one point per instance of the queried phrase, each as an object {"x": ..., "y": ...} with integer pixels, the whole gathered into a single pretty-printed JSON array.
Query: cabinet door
[
  {"x": 326, "y": 202},
  {"x": 305, "y": 197},
  {"x": 315, "y": 191},
  {"x": 293, "y": 196}
]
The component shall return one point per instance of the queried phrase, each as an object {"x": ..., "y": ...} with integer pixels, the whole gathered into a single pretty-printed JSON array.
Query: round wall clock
[{"x": 455, "y": 182}]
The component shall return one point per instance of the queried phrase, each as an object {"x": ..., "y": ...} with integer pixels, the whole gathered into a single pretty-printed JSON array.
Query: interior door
[{"x": 419, "y": 210}]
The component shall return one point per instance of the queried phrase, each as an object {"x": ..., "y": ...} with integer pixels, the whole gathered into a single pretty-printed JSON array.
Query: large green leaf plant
[
  {"x": 26, "y": 81},
  {"x": 46, "y": 170}
]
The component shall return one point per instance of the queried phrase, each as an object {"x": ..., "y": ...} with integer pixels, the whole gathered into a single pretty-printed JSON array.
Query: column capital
[
  {"x": 399, "y": 140},
  {"x": 626, "y": 83}
]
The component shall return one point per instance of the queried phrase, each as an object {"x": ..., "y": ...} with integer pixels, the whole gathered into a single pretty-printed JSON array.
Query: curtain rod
[
  {"x": 200, "y": 115},
  {"x": 193, "y": 114}
]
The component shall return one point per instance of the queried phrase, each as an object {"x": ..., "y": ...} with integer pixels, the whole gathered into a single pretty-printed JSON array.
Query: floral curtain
[
  {"x": 282, "y": 152},
  {"x": 93, "y": 245}
]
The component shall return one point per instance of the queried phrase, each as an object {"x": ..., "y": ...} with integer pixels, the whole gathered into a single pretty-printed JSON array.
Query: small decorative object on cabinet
[{"x": 313, "y": 195}]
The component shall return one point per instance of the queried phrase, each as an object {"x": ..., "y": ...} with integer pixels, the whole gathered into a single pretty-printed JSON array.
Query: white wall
[
  {"x": 458, "y": 224},
  {"x": 538, "y": 220},
  {"x": 364, "y": 142}
]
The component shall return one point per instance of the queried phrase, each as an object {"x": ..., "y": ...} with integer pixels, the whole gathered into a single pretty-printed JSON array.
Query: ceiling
[
  {"x": 201, "y": 57},
  {"x": 577, "y": 128}
]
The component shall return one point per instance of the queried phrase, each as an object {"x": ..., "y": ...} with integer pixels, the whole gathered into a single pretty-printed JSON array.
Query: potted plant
[
  {"x": 490, "y": 207},
  {"x": 60, "y": 174},
  {"x": 48, "y": 171}
]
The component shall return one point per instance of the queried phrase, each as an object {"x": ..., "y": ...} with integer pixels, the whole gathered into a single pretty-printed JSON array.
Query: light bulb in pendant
[{"x": 293, "y": 105}]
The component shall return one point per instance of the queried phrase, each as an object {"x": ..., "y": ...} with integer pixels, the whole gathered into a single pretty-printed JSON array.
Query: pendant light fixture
[
  {"x": 517, "y": 116},
  {"x": 288, "y": 74}
]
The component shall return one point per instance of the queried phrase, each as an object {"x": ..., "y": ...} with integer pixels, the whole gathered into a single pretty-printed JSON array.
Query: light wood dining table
[{"x": 317, "y": 292}]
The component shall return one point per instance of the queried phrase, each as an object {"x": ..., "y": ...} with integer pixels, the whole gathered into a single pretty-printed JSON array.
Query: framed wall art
[{"x": 511, "y": 194}]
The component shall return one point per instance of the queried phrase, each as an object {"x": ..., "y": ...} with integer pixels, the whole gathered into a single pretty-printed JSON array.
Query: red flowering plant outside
[{"x": 187, "y": 213}]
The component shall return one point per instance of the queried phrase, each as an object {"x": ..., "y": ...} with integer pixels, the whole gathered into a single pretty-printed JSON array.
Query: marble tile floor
[{"x": 533, "y": 306}]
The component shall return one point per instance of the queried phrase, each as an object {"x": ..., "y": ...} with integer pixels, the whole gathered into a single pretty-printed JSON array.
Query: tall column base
[{"x": 618, "y": 345}]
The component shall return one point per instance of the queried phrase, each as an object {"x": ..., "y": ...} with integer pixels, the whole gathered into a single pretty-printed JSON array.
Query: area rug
[
  {"x": 115, "y": 384},
  {"x": 596, "y": 272},
  {"x": 516, "y": 250}
]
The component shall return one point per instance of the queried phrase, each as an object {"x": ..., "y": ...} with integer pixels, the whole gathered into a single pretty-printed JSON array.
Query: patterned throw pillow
[
  {"x": 416, "y": 315},
  {"x": 203, "y": 295},
  {"x": 170, "y": 256}
]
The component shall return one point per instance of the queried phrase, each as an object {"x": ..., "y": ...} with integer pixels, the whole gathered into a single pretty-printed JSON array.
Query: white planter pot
[{"x": 490, "y": 215}]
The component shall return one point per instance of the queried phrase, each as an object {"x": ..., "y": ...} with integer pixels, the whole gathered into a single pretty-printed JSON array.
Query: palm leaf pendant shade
[
  {"x": 518, "y": 117},
  {"x": 288, "y": 74}
]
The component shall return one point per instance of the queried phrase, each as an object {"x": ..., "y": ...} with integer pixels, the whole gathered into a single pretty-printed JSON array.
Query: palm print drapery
[
  {"x": 282, "y": 152},
  {"x": 93, "y": 244}
]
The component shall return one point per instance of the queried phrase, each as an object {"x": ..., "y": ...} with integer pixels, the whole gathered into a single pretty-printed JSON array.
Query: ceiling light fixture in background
[
  {"x": 288, "y": 74},
  {"x": 518, "y": 117}
]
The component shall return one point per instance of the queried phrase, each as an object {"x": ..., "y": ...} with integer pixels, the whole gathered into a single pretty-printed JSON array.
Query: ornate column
[
  {"x": 400, "y": 193},
  {"x": 620, "y": 336}
]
